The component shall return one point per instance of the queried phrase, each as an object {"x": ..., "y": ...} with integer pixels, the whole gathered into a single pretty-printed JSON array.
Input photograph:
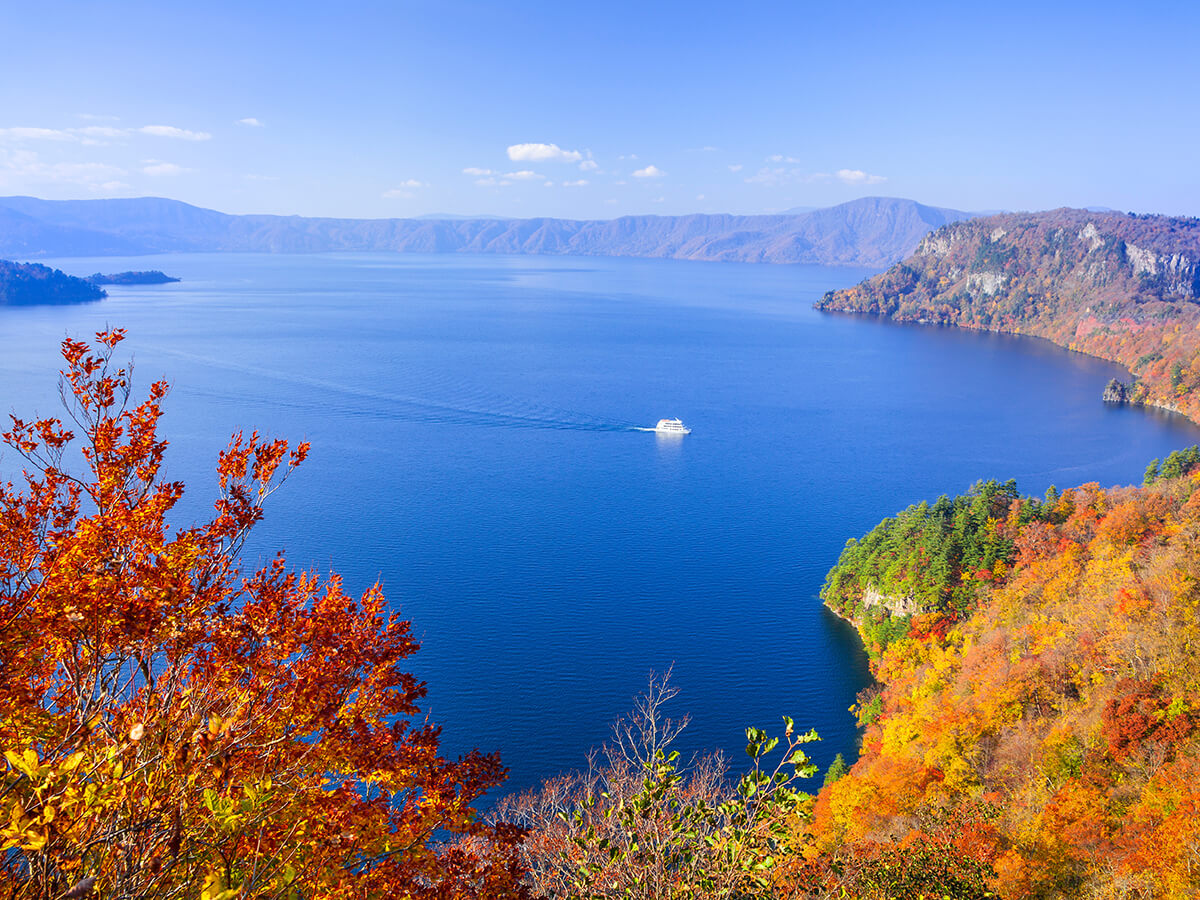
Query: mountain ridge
[{"x": 871, "y": 232}]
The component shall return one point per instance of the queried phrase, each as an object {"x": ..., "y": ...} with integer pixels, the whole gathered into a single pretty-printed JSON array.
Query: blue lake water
[{"x": 473, "y": 422}]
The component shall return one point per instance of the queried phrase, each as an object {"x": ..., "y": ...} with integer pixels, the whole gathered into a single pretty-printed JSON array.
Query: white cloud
[
  {"x": 542, "y": 153},
  {"x": 548, "y": 184},
  {"x": 473, "y": 170},
  {"x": 704, "y": 149},
  {"x": 101, "y": 131},
  {"x": 251, "y": 121},
  {"x": 649, "y": 172},
  {"x": 736, "y": 168},
  {"x": 157, "y": 168},
  {"x": 20, "y": 168},
  {"x": 858, "y": 176},
  {"x": 784, "y": 175},
  {"x": 659, "y": 200},
  {"x": 525, "y": 175},
  {"x": 170, "y": 131},
  {"x": 580, "y": 183},
  {"x": 404, "y": 190},
  {"x": 588, "y": 165},
  {"x": 92, "y": 117},
  {"x": 492, "y": 182},
  {"x": 628, "y": 156},
  {"x": 35, "y": 134},
  {"x": 699, "y": 196}
]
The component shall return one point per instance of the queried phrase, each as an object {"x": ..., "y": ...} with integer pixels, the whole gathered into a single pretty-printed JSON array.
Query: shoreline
[{"x": 1016, "y": 332}]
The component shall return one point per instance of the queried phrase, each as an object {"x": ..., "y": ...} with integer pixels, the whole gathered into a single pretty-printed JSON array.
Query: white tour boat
[{"x": 671, "y": 426}]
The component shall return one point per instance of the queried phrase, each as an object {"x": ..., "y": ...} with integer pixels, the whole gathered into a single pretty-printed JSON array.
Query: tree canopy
[{"x": 173, "y": 726}]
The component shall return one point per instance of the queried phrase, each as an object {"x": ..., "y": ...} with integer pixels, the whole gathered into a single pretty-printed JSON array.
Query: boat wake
[{"x": 471, "y": 406}]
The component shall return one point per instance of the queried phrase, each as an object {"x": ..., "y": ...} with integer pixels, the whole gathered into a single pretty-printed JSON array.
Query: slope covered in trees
[
  {"x": 1121, "y": 287},
  {"x": 926, "y": 562},
  {"x": 1053, "y": 729},
  {"x": 1035, "y": 732}
]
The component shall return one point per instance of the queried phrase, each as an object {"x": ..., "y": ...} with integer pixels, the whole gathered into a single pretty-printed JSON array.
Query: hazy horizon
[{"x": 797, "y": 211}]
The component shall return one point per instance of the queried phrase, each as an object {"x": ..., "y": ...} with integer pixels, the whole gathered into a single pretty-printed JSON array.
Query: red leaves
[
  {"x": 1141, "y": 713},
  {"x": 214, "y": 708}
]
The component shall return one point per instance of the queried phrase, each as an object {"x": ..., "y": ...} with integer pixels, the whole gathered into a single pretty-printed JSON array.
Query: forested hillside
[
  {"x": 1035, "y": 731},
  {"x": 1048, "y": 732},
  {"x": 1121, "y": 287}
]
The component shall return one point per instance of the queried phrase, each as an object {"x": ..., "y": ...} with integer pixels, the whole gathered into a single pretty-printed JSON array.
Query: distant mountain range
[{"x": 873, "y": 232}]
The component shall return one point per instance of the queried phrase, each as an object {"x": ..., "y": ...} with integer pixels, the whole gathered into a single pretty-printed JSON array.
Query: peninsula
[
  {"x": 1122, "y": 287},
  {"x": 26, "y": 284}
]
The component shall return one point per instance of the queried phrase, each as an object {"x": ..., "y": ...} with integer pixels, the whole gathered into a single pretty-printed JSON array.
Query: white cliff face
[
  {"x": 986, "y": 283},
  {"x": 936, "y": 244},
  {"x": 998, "y": 233},
  {"x": 1177, "y": 270},
  {"x": 1090, "y": 236},
  {"x": 897, "y": 606},
  {"x": 1143, "y": 261}
]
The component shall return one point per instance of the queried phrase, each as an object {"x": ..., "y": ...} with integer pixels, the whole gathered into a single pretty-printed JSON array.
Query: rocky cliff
[{"x": 1122, "y": 287}]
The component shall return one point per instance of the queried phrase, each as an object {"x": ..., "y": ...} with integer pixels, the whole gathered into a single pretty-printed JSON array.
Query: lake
[{"x": 475, "y": 446}]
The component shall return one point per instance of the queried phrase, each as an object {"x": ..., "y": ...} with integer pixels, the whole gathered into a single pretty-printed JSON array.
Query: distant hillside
[
  {"x": 1121, "y": 287},
  {"x": 25, "y": 284},
  {"x": 872, "y": 232}
]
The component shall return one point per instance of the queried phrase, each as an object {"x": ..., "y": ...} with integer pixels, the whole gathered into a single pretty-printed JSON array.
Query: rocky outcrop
[
  {"x": 1116, "y": 392},
  {"x": 898, "y": 607}
]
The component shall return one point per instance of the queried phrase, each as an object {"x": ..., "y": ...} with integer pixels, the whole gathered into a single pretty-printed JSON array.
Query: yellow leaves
[
  {"x": 26, "y": 763},
  {"x": 215, "y": 889}
]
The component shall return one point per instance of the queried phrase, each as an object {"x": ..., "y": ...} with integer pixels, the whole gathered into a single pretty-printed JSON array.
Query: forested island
[
  {"x": 152, "y": 276},
  {"x": 1119, "y": 286},
  {"x": 25, "y": 284}
]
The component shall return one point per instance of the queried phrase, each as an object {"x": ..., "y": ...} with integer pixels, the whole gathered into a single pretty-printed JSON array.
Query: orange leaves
[
  {"x": 1070, "y": 693},
  {"x": 167, "y": 713}
]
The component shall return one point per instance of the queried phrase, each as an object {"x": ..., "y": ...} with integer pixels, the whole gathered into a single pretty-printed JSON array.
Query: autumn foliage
[
  {"x": 1117, "y": 286},
  {"x": 1057, "y": 725},
  {"x": 175, "y": 727}
]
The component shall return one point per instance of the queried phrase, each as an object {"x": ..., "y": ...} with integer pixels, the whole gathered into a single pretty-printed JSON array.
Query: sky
[{"x": 597, "y": 110}]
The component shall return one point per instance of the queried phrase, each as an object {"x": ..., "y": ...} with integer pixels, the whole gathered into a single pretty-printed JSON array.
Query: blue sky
[{"x": 593, "y": 110}]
